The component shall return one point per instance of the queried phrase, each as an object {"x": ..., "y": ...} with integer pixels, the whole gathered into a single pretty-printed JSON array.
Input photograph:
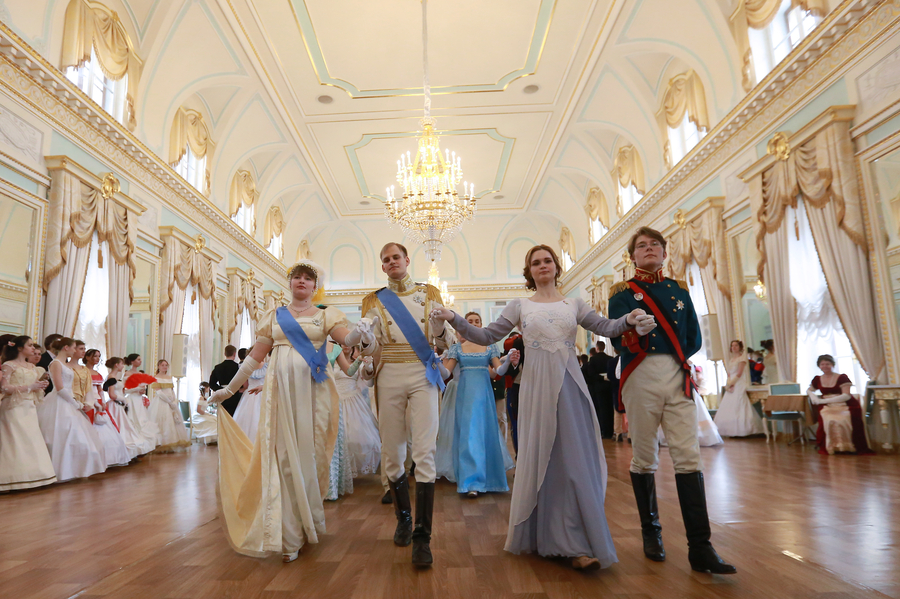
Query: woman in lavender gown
[{"x": 558, "y": 497}]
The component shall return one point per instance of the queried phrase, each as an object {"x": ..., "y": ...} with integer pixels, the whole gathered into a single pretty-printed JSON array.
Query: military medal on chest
[{"x": 639, "y": 297}]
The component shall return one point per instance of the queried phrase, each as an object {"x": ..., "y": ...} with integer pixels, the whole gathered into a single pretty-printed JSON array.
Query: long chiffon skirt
[
  {"x": 75, "y": 449},
  {"x": 736, "y": 416},
  {"x": 361, "y": 429},
  {"x": 478, "y": 453},
  {"x": 24, "y": 459},
  {"x": 443, "y": 453},
  {"x": 117, "y": 453},
  {"x": 569, "y": 519}
]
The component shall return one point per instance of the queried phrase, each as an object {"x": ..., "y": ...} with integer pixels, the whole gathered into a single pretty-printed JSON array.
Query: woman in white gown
[
  {"x": 75, "y": 448},
  {"x": 203, "y": 420},
  {"x": 736, "y": 417},
  {"x": 164, "y": 411},
  {"x": 247, "y": 412},
  {"x": 707, "y": 433},
  {"x": 557, "y": 504},
  {"x": 137, "y": 412},
  {"x": 363, "y": 442},
  {"x": 272, "y": 491},
  {"x": 24, "y": 460},
  {"x": 117, "y": 453},
  {"x": 116, "y": 407}
]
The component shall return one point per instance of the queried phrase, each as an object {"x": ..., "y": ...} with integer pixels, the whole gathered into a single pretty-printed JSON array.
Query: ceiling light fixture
[
  {"x": 325, "y": 99},
  {"x": 531, "y": 89},
  {"x": 499, "y": 196},
  {"x": 430, "y": 209}
]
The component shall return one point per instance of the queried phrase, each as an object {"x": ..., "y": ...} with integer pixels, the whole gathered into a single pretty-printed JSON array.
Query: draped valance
[
  {"x": 597, "y": 207},
  {"x": 701, "y": 240},
  {"x": 243, "y": 192},
  {"x": 183, "y": 265},
  {"x": 76, "y": 211},
  {"x": 762, "y": 12},
  {"x": 567, "y": 242},
  {"x": 242, "y": 293},
  {"x": 274, "y": 224},
  {"x": 91, "y": 25},
  {"x": 629, "y": 169},
  {"x": 685, "y": 95},
  {"x": 188, "y": 129}
]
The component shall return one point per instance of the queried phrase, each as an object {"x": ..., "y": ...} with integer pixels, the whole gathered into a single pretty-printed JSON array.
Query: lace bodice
[
  {"x": 347, "y": 386},
  {"x": 68, "y": 376},
  {"x": 17, "y": 376},
  {"x": 550, "y": 327}
]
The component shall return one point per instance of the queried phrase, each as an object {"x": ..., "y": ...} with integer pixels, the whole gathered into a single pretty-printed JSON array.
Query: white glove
[
  {"x": 362, "y": 334},
  {"x": 243, "y": 373},
  {"x": 437, "y": 325},
  {"x": 644, "y": 325},
  {"x": 67, "y": 395},
  {"x": 819, "y": 400},
  {"x": 504, "y": 365}
]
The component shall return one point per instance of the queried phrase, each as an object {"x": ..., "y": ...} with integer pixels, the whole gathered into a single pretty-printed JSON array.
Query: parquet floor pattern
[{"x": 796, "y": 525}]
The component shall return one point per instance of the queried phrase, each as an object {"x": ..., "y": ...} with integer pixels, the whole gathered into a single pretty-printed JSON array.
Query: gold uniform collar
[{"x": 406, "y": 284}]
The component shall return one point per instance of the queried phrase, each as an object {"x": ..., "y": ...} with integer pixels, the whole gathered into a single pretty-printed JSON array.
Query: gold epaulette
[
  {"x": 616, "y": 288},
  {"x": 682, "y": 284},
  {"x": 433, "y": 294},
  {"x": 369, "y": 302}
]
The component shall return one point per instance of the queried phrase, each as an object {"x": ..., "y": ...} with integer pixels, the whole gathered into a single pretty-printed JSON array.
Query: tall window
[
  {"x": 108, "y": 93},
  {"x": 683, "y": 138},
  {"x": 775, "y": 41},
  {"x": 714, "y": 373},
  {"x": 245, "y": 218},
  {"x": 193, "y": 169},
  {"x": 819, "y": 328},
  {"x": 628, "y": 197},
  {"x": 567, "y": 261},
  {"x": 190, "y": 326},
  {"x": 597, "y": 230},
  {"x": 274, "y": 232},
  {"x": 276, "y": 246},
  {"x": 94, "y": 311}
]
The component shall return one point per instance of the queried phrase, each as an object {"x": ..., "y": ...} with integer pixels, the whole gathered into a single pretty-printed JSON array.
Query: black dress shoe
[{"x": 386, "y": 499}]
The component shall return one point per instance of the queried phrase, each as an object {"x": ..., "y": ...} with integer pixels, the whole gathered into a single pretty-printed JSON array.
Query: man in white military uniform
[{"x": 404, "y": 380}]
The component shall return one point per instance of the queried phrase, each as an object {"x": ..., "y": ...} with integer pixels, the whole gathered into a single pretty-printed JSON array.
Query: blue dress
[{"x": 478, "y": 460}]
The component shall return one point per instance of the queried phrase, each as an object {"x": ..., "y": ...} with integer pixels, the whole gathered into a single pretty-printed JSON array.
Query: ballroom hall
[{"x": 375, "y": 300}]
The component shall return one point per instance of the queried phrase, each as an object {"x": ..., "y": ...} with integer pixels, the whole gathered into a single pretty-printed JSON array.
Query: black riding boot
[
  {"x": 421, "y": 553},
  {"x": 400, "y": 491},
  {"x": 692, "y": 496},
  {"x": 644, "y": 486}
]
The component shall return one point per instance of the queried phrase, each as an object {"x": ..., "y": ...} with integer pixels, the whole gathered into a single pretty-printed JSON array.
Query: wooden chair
[
  {"x": 785, "y": 416},
  {"x": 185, "y": 408}
]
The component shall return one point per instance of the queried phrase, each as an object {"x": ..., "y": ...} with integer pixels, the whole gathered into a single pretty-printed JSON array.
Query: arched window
[
  {"x": 767, "y": 30},
  {"x": 274, "y": 232},
  {"x": 567, "y": 247},
  {"x": 597, "y": 211},
  {"x": 189, "y": 146},
  {"x": 99, "y": 58},
  {"x": 684, "y": 108},
  {"x": 629, "y": 174},
  {"x": 242, "y": 201}
]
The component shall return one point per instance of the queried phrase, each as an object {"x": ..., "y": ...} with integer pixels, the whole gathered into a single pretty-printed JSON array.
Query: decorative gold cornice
[{"x": 190, "y": 242}]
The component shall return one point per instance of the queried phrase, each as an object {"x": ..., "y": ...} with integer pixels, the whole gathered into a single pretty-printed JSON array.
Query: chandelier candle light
[
  {"x": 430, "y": 210},
  {"x": 434, "y": 279}
]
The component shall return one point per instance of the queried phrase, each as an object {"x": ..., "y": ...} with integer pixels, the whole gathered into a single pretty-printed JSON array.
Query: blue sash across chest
[
  {"x": 414, "y": 335},
  {"x": 317, "y": 359}
]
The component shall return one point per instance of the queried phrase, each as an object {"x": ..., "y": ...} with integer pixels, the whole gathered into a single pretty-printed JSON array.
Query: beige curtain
[
  {"x": 76, "y": 211},
  {"x": 761, "y": 12},
  {"x": 685, "y": 95},
  {"x": 629, "y": 169},
  {"x": 274, "y": 224},
  {"x": 241, "y": 294},
  {"x": 183, "y": 265},
  {"x": 269, "y": 301},
  {"x": 303, "y": 251},
  {"x": 207, "y": 335},
  {"x": 703, "y": 241},
  {"x": 243, "y": 191},
  {"x": 567, "y": 242},
  {"x": 92, "y": 25},
  {"x": 597, "y": 207},
  {"x": 782, "y": 307},
  {"x": 823, "y": 171},
  {"x": 188, "y": 129}
]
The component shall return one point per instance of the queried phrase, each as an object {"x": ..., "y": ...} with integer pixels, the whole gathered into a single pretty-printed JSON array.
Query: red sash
[{"x": 662, "y": 319}]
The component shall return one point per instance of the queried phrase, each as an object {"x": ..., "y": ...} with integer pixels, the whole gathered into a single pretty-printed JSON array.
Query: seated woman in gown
[
  {"x": 841, "y": 428},
  {"x": 557, "y": 504},
  {"x": 204, "y": 420},
  {"x": 272, "y": 490}
]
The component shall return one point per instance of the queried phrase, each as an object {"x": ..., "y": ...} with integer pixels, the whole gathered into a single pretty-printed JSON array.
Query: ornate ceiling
[{"x": 318, "y": 98}]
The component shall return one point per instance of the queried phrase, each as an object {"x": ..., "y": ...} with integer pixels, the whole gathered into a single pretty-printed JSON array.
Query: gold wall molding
[
  {"x": 32, "y": 81},
  {"x": 811, "y": 67}
]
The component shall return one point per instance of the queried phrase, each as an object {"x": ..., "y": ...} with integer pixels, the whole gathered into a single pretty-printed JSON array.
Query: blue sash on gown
[{"x": 317, "y": 359}]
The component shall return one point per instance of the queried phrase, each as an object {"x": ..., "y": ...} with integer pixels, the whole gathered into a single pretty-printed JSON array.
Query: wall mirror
[
  {"x": 755, "y": 320},
  {"x": 18, "y": 243}
]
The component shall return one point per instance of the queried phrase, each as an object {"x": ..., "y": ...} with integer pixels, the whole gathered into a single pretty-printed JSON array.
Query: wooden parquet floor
[{"x": 796, "y": 525}]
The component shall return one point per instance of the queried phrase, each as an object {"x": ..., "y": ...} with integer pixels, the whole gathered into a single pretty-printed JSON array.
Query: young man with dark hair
[
  {"x": 222, "y": 375},
  {"x": 48, "y": 356},
  {"x": 656, "y": 389}
]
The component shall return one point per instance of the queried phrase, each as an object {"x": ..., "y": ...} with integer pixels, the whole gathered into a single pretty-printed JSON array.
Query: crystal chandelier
[
  {"x": 430, "y": 211},
  {"x": 760, "y": 290},
  {"x": 435, "y": 280}
]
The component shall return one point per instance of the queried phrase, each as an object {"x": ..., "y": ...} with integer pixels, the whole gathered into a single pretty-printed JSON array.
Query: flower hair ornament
[
  {"x": 10, "y": 343},
  {"x": 319, "y": 295}
]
